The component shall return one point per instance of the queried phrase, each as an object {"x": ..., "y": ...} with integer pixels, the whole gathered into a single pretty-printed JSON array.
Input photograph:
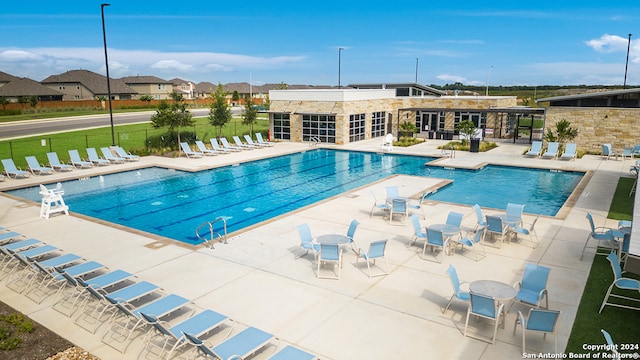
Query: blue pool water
[{"x": 173, "y": 203}]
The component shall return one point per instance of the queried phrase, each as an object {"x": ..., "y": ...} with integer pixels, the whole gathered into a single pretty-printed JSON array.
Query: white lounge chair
[
  {"x": 36, "y": 168},
  {"x": 217, "y": 147},
  {"x": 242, "y": 145},
  {"x": 190, "y": 153},
  {"x": 263, "y": 141},
  {"x": 11, "y": 170},
  {"x": 77, "y": 161},
  {"x": 228, "y": 146},
  {"x": 106, "y": 152},
  {"x": 552, "y": 151},
  {"x": 55, "y": 163},
  {"x": 125, "y": 155},
  {"x": 203, "y": 149},
  {"x": 92, "y": 154},
  {"x": 569, "y": 152},
  {"x": 250, "y": 142}
]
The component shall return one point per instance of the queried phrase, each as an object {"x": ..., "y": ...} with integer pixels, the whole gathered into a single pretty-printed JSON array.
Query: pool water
[{"x": 173, "y": 203}]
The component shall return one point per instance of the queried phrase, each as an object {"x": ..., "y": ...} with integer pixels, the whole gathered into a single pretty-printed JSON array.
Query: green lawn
[{"x": 622, "y": 324}]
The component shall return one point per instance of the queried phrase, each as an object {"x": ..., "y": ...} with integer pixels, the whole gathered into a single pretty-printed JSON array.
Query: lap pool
[{"x": 173, "y": 203}]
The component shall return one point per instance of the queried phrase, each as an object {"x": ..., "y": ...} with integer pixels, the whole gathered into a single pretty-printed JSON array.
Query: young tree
[
  {"x": 250, "y": 115},
  {"x": 173, "y": 116},
  {"x": 466, "y": 128},
  {"x": 4, "y": 102},
  {"x": 23, "y": 101},
  {"x": 219, "y": 111},
  {"x": 33, "y": 101},
  {"x": 564, "y": 132},
  {"x": 235, "y": 97}
]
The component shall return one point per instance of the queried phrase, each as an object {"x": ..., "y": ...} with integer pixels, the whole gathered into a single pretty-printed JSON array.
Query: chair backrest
[
  {"x": 352, "y": 229},
  {"x": 224, "y": 142},
  {"x": 248, "y": 139},
  {"x": 494, "y": 223},
  {"x": 570, "y": 149},
  {"x": 515, "y": 210},
  {"x": 478, "y": 212},
  {"x": 536, "y": 146},
  {"x": 120, "y": 151},
  {"x": 608, "y": 338},
  {"x": 32, "y": 162},
  {"x": 92, "y": 153},
  {"x": 533, "y": 223},
  {"x": 552, "y": 147},
  {"x": 478, "y": 236},
  {"x": 535, "y": 277},
  {"x": 434, "y": 237},
  {"x": 75, "y": 155},
  {"x": 417, "y": 228},
  {"x": 483, "y": 305},
  {"x": 185, "y": 147},
  {"x": 9, "y": 165},
  {"x": 106, "y": 152},
  {"x": 305, "y": 233},
  {"x": 329, "y": 252},
  {"x": 399, "y": 205},
  {"x": 214, "y": 143},
  {"x": 542, "y": 320},
  {"x": 453, "y": 276},
  {"x": 393, "y": 191},
  {"x": 200, "y": 145},
  {"x": 201, "y": 346},
  {"x": 593, "y": 226},
  {"x": 615, "y": 265},
  {"x": 53, "y": 158},
  {"x": 376, "y": 249},
  {"x": 259, "y": 137},
  {"x": 454, "y": 218}
]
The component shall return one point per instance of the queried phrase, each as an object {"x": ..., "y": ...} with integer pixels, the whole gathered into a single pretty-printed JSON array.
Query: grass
[
  {"x": 621, "y": 323},
  {"x": 133, "y": 138}
]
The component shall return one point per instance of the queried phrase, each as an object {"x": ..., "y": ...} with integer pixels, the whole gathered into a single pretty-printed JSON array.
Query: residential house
[
  {"x": 87, "y": 85},
  {"x": 12, "y": 88},
  {"x": 157, "y": 88},
  {"x": 184, "y": 87}
]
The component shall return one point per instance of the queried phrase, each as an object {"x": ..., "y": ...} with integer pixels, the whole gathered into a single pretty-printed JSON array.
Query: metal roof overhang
[
  {"x": 520, "y": 110},
  {"x": 314, "y": 113}
]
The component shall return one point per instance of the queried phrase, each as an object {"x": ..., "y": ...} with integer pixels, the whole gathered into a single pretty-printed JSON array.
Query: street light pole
[
  {"x": 106, "y": 63},
  {"x": 486, "y": 93},
  {"x": 626, "y": 66},
  {"x": 416, "y": 70},
  {"x": 339, "y": 64}
]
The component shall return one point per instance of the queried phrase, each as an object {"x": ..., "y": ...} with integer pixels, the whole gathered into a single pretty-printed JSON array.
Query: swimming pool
[{"x": 173, "y": 203}]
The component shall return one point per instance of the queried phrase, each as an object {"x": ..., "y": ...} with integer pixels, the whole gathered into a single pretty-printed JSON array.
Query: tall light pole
[
  {"x": 486, "y": 93},
  {"x": 339, "y": 64},
  {"x": 106, "y": 63},
  {"x": 416, "y": 70},
  {"x": 626, "y": 66}
]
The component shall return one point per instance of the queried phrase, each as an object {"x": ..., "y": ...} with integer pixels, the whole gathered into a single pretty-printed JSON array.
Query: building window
[
  {"x": 162, "y": 86},
  {"x": 356, "y": 127},
  {"x": 281, "y": 126},
  {"x": 378, "y": 123},
  {"x": 479, "y": 119},
  {"x": 76, "y": 97},
  {"x": 157, "y": 97},
  {"x": 61, "y": 87},
  {"x": 320, "y": 128},
  {"x": 183, "y": 87}
]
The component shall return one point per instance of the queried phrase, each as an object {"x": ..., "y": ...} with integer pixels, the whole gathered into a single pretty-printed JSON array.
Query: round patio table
[
  {"x": 448, "y": 231},
  {"x": 495, "y": 289},
  {"x": 333, "y": 239}
]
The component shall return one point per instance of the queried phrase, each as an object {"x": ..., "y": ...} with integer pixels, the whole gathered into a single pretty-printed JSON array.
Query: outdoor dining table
[
  {"x": 333, "y": 239},
  {"x": 622, "y": 234},
  {"x": 496, "y": 289},
  {"x": 510, "y": 221},
  {"x": 448, "y": 231}
]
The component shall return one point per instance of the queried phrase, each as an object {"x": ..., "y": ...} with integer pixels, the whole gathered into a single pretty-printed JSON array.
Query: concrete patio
[{"x": 256, "y": 280}]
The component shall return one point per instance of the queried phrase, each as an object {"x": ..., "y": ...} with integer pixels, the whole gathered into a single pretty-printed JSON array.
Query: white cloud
[
  {"x": 608, "y": 44},
  {"x": 452, "y": 78}
]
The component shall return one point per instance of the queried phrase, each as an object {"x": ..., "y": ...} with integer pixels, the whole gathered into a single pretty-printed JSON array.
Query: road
[{"x": 24, "y": 128}]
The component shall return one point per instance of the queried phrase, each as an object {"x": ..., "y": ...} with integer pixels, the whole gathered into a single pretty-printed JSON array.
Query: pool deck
[{"x": 255, "y": 279}]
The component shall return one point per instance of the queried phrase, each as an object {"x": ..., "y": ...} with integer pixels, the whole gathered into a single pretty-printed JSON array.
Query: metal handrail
[
  {"x": 313, "y": 141},
  {"x": 213, "y": 235}
]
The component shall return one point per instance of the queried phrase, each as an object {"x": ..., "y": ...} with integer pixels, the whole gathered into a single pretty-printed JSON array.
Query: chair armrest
[
  {"x": 517, "y": 285},
  {"x": 519, "y": 320}
]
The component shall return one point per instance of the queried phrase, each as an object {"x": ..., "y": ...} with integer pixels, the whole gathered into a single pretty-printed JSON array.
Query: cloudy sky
[{"x": 299, "y": 42}]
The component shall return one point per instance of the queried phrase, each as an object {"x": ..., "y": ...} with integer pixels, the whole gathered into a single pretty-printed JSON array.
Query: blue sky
[{"x": 297, "y": 42}]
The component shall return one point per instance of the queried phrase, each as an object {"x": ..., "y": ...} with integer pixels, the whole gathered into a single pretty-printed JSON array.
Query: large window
[
  {"x": 320, "y": 128},
  {"x": 281, "y": 126},
  {"x": 356, "y": 127},
  {"x": 479, "y": 118},
  {"x": 378, "y": 123}
]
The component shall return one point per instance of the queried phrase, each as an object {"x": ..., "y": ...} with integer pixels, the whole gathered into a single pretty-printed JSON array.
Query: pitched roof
[
  {"x": 144, "y": 80},
  {"x": 596, "y": 94},
  {"x": 26, "y": 87},
  {"x": 96, "y": 83},
  {"x": 178, "y": 81},
  {"x": 4, "y": 77}
]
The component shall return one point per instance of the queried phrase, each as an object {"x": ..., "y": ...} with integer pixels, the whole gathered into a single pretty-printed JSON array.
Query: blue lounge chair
[
  {"x": 107, "y": 154},
  {"x": 55, "y": 163},
  {"x": 93, "y": 157},
  {"x": 552, "y": 151},
  {"x": 536, "y": 149},
  {"x": 77, "y": 161},
  {"x": 125, "y": 155},
  {"x": 67, "y": 304},
  {"x": 190, "y": 153},
  {"x": 203, "y": 149},
  {"x": 252, "y": 143},
  {"x": 261, "y": 140},
  {"x": 239, "y": 346},
  {"x": 292, "y": 353},
  {"x": 36, "y": 168},
  {"x": 11, "y": 170},
  {"x": 607, "y": 152},
  {"x": 50, "y": 281},
  {"x": 8, "y": 236},
  {"x": 228, "y": 146},
  {"x": 217, "y": 147},
  {"x": 242, "y": 145},
  {"x": 569, "y": 152}
]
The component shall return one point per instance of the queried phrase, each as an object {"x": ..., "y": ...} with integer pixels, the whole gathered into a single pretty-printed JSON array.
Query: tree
[
  {"x": 4, "y": 102},
  {"x": 33, "y": 101},
  {"x": 282, "y": 86},
  {"x": 173, "y": 115},
  {"x": 219, "y": 111},
  {"x": 250, "y": 115},
  {"x": 235, "y": 97},
  {"x": 564, "y": 132},
  {"x": 466, "y": 128},
  {"x": 23, "y": 101},
  {"x": 146, "y": 98}
]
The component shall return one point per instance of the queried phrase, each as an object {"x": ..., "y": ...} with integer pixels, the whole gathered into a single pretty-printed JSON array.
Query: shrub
[
  {"x": 462, "y": 146},
  {"x": 168, "y": 140}
]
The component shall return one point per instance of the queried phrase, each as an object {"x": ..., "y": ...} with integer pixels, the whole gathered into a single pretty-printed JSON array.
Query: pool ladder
[
  {"x": 313, "y": 141},
  {"x": 213, "y": 235}
]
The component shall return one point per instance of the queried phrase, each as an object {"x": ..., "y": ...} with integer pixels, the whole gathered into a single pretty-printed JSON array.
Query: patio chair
[
  {"x": 203, "y": 149},
  {"x": 627, "y": 153},
  {"x": 107, "y": 154},
  {"x": 418, "y": 204},
  {"x": 604, "y": 237},
  {"x": 77, "y": 161},
  {"x": 69, "y": 301},
  {"x": 481, "y": 222},
  {"x": 515, "y": 211},
  {"x": 435, "y": 240},
  {"x": 612, "y": 346},
  {"x": 535, "y": 150},
  {"x": 418, "y": 234},
  {"x": 50, "y": 281},
  {"x": 544, "y": 321},
  {"x": 454, "y": 218},
  {"x": 228, "y": 146},
  {"x": 261, "y": 140},
  {"x": 239, "y": 346},
  {"x": 217, "y": 147},
  {"x": 398, "y": 207},
  {"x": 529, "y": 232},
  {"x": 11, "y": 170},
  {"x": 392, "y": 192},
  {"x": 292, "y": 353},
  {"x": 306, "y": 241},
  {"x": 494, "y": 226},
  {"x": 474, "y": 243},
  {"x": 36, "y": 168},
  {"x": 621, "y": 283},
  {"x": 172, "y": 337},
  {"x": 93, "y": 157},
  {"x": 552, "y": 151},
  {"x": 125, "y": 154},
  {"x": 607, "y": 152},
  {"x": 636, "y": 149},
  {"x": 378, "y": 205},
  {"x": 376, "y": 251},
  {"x": 569, "y": 153},
  {"x": 329, "y": 253},
  {"x": 533, "y": 286},
  {"x": 458, "y": 294},
  {"x": 351, "y": 232},
  {"x": 240, "y": 144},
  {"x": 188, "y": 152},
  {"x": 487, "y": 308},
  {"x": 252, "y": 143},
  {"x": 55, "y": 163}
]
